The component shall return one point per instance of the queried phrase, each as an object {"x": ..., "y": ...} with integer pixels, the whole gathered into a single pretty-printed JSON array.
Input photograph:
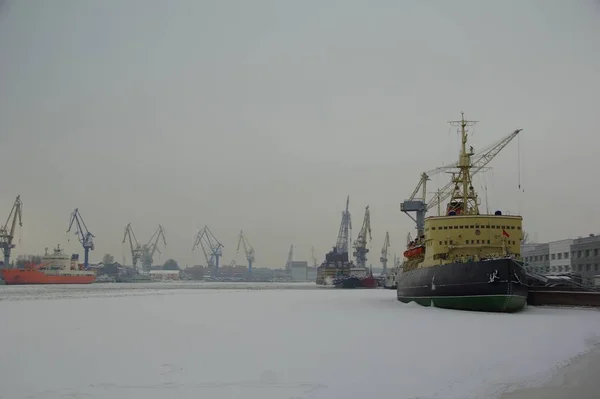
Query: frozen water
[{"x": 253, "y": 342}]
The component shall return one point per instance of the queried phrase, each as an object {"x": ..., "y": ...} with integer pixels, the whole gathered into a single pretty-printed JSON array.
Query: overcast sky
[{"x": 264, "y": 115}]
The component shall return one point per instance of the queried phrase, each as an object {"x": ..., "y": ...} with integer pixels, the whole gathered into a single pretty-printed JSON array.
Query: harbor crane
[
  {"x": 7, "y": 232},
  {"x": 134, "y": 245},
  {"x": 420, "y": 205},
  {"x": 384, "y": 252},
  {"x": 211, "y": 247},
  {"x": 290, "y": 258},
  {"x": 149, "y": 249},
  {"x": 360, "y": 245},
  {"x": 343, "y": 240},
  {"x": 248, "y": 250},
  {"x": 83, "y": 234},
  {"x": 313, "y": 257}
]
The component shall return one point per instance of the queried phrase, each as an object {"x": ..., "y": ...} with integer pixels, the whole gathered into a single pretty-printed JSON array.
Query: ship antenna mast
[{"x": 466, "y": 194}]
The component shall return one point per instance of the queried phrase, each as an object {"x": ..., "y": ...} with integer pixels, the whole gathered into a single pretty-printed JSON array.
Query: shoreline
[{"x": 576, "y": 379}]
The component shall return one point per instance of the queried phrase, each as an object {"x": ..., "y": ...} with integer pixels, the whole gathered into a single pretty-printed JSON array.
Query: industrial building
[
  {"x": 536, "y": 257},
  {"x": 300, "y": 271},
  {"x": 580, "y": 256}
]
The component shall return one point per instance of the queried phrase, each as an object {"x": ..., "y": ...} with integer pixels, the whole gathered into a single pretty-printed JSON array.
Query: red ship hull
[
  {"x": 369, "y": 282},
  {"x": 32, "y": 276}
]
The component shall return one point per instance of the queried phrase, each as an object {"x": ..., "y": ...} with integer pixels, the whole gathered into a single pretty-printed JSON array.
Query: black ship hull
[{"x": 496, "y": 285}]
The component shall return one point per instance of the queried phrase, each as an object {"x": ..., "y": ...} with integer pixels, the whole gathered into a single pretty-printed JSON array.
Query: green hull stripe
[
  {"x": 486, "y": 303},
  {"x": 464, "y": 296}
]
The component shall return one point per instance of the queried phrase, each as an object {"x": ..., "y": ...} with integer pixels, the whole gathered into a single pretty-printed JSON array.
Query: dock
[{"x": 560, "y": 290}]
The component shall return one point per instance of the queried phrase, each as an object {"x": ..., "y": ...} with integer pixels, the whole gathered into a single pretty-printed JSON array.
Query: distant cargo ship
[
  {"x": 56, "y": 268},
  {"x": 338, "y": 270},
  {"x": 356, "y": 280}
]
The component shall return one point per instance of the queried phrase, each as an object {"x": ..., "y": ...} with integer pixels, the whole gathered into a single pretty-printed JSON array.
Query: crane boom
[
  {"x": 7, "y": 233},
  {"x": 290, "y": 258},
  {"x": 384, "y": 252},
  {"x": 248, "y": 250},
  {"x": 478, "y": 164},
  {"x": 134, "y": 245},
  {"x": 343, "y": 238},
  {"x": 83, "y": 234},
  {"x": 360, "y": 245},
  {"x": 149, "y": 249},
  {"x": 211, "y": 247}
]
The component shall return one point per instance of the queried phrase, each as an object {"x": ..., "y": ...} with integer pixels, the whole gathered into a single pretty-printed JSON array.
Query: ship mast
[{"x": 464, "y": 198}]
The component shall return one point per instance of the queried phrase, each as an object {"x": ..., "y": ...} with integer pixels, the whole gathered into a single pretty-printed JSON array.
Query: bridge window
[
  {"x": 488, "y": 241},
  {"x": 471, "y": 226},
  {"x": 512, "y": 227}
]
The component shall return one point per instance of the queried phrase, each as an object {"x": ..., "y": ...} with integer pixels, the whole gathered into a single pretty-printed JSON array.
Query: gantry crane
[
  {"x": 7, "y": 232},
  {"x": 136, "y": 248},
  {"x": 248, "y": 250},
  {"x": 384, "y": 252},
  {"x": 149, "y": 249},
  {"x": 360, "y": 245},
  {"x": 420, "y": 205},
  {"x": 211, "y": 247},
  {"x": 83, "y": 234}
]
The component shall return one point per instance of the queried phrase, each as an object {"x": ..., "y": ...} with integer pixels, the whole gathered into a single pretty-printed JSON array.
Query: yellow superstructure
[{"x": 470, "y": 237}]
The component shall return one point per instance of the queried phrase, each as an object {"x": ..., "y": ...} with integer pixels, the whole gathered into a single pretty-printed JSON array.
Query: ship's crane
[
  {"x": 420, "y": 205},
  {"x": 83, "y": 234},
  {"x": 384, "y": 252},
  {"x": 149, "y": 249},
  {"x": 360, "y": 245},
  {"x": 290, "y": 258},
  {"x": 7, "y": 232},
  {"x": 248, "y": 250},
  {"x": 211, "y": 247},
  {"x": 134, "y": 245}
]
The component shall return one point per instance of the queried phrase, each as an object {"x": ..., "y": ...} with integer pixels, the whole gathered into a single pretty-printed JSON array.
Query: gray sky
[{"x": 264, "y": 115}]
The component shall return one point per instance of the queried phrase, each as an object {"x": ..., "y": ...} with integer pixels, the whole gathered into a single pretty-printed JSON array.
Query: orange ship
[{"x": 57, "y": 268}]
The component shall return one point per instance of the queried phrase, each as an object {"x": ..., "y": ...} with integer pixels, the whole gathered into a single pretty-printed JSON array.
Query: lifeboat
[{"x": 416, "y": 251}]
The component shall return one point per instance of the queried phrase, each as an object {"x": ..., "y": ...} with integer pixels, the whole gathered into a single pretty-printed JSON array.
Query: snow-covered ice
[{"x": 115, "y": 341}]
